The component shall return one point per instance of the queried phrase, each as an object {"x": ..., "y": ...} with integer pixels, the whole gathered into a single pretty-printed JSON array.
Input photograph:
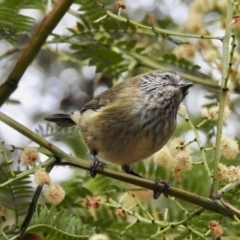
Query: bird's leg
[
  {"x": 156, "y": 193},
  {"x": 95, "y": 164},
  {"x": 128, "y": 169}
]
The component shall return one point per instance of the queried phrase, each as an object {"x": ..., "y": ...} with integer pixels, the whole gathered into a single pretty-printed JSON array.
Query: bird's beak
[{"x": 184, "y": 87}]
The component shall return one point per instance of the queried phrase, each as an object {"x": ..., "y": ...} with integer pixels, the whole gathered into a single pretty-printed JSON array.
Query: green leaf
[
  {"x": 58, "y": 224},
  {"x": 17, "y": 195}
]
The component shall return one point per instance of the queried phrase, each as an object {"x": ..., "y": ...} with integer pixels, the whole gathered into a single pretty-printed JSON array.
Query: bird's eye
[{"x": 166, "y": 76}]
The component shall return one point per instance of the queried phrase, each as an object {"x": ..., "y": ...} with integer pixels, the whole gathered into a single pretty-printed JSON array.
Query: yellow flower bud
[
  {"x": 229, "y": 147},
  {"x": 164, "y": 158},
  {"x": 29, "y": 156},
  {"x": 177, "y": 145},
  {"x": 54, "y": 194},
  {"x": 182, "y": 111},
  {"x": 216, "y": 229},
  {"x": 41, "y": 177},
  {"x": 233, "y": 173},
  {"x": 183, "y": 164},
  {"x": 120, "y": 212},
  {"x": 222, "y": 171},
  {"x": 212, "y": 113}
]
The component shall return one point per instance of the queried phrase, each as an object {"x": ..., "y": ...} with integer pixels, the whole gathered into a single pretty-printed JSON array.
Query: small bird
[{"x": 130, "y": 121}]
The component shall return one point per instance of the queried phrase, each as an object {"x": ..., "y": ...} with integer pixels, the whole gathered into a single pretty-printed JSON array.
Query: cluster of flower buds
[
  {"x": 212, "y": 113},
  {"x": 231, "y": 174},
  {"x": 53, "y": 193},
  {"x": 177, "y": 157},
  {"x": 93, "y": 202}
]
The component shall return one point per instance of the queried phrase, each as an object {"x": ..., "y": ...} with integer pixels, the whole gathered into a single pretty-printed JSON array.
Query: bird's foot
[
  {"x": 95, "y": 164},
  {"x": 157, "y": 193}
]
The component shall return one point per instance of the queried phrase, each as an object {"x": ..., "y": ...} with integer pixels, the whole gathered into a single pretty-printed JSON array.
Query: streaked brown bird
[{"x": 130, "y": 121}]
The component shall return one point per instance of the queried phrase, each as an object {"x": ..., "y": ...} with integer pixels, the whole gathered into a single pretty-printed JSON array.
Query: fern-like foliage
[
  {"x": 105, "y": 51},
  {"x": 102, "y": 44},
  {"x": 17, "y": 195},
  {"x": 14, "y": 24},
  {"x": 54, "y": 130},
  {"x": 108, "y": 44},
  {"x": 70, "y": 136},
  {"x": 58, "y": 225}
]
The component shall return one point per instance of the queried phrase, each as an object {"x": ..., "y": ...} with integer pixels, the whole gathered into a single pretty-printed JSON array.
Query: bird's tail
[{"x": 63, "y": 120}]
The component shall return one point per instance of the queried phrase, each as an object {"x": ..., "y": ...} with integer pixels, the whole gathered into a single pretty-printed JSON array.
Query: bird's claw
[
  {"x": 93, "y": 169},
  {"x": 157, "y": 193}
]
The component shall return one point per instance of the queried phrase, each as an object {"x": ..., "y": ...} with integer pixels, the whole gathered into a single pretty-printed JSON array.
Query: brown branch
[
  {"x": 44, "y": 29},
  {"x": 207, "y": 203}
]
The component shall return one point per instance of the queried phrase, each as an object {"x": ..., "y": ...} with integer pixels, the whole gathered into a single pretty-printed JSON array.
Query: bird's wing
[
  {"x": 119, "y": 92},
  {"x": 93, "y": 104},
  {"x": 103, "y": 99}
]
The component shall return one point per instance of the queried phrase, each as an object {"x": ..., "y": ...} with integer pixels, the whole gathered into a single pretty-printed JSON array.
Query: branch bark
[
  {"x": 65, "y": 159},
  {"x": 45, "y": 28}
]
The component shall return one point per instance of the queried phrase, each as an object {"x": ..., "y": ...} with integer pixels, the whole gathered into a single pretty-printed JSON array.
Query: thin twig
[
  {"x": 144, "y": 183},
  {"x": 155, "y": 29},
  {"x": 222, "y": 101},
  {"x": 32, "y": 206}
]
